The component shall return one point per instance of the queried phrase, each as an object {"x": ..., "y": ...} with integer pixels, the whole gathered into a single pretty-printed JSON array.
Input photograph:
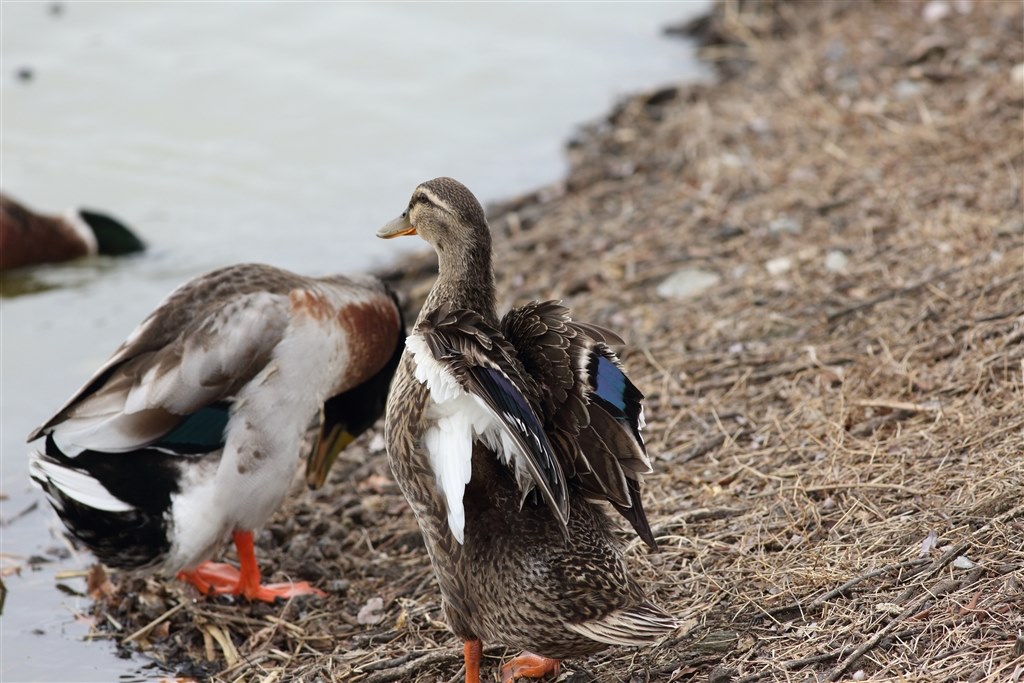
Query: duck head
[{"x": 446, "y": 215}]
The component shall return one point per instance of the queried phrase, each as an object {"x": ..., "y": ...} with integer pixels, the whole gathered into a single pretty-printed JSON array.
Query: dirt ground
[{"x": 818, "y": 265}]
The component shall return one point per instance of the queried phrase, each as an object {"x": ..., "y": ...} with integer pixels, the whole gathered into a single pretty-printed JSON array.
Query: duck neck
[{"x": 465, "y": 280}]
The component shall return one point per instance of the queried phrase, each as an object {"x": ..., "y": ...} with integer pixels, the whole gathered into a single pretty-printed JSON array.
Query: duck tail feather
[{"x": 638, "y": 625}]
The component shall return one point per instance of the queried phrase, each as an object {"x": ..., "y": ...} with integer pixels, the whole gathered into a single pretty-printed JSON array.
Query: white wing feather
[{"x": 459, "y": 419}]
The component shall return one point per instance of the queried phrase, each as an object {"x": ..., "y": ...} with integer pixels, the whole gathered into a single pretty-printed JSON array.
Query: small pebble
[
  {"x": 728, "y": 231},
  {"x": 785, "y": 224},
  {"x": 780, "y": 265},
  {"x": 730, "y": 160},
  {"x": 936, "y": 10},
  {"x": 376, "y": 444},
  {"x": 859, "y": 675},
  {"x": 836, "y": 261},
  {"x": 687, "y": 282},
  {"x": 1018, "y": 74},
  {"x": 963, "y": 562},
  {"x": 928, "y": 543},
  {"x": 372, "y": 612},
  {"x": 905, "y": 89},
  {"x": 760, "y": 125}
]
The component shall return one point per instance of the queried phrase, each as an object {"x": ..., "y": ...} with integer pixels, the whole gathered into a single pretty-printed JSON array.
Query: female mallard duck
[
  {"x": 28, "y": 238},
  {"x": 484, "y": 416},
  {"x": 193, "y": 429}
]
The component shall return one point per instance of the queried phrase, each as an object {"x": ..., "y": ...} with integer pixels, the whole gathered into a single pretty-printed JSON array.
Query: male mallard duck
[
  {"x": 28, "y": 238},
  {"x": 193, "y": 429},
  {"x": 483, "y": 416}
]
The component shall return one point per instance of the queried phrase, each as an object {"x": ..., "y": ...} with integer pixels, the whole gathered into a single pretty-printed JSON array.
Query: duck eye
[{"x": 422, "y": 199}]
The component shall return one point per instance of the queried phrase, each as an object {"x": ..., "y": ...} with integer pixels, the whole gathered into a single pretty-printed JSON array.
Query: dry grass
[{"x": 839, "y": 452}]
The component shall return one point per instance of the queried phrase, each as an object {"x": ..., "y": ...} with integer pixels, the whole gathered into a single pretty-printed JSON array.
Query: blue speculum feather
[
  {"x": 200, "y": 432},
  {"x": 615, "y": 393},
  {"x": 610, "y": 383},
  {"x": 512, "y": 397},
  {"x": 512, "y": 402}
]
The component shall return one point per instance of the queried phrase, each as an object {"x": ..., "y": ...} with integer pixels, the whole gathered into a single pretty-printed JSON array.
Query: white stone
[
  {"x": 905, "y": 89},
  {"x": 372, "y": 612},
  {"x": 687, "y": 282},
  {"x": 836, "y": 261},
  {"x": 963, "y": 562},
  {"x": 1018, "y": 74},
  {"x": 780, "y": 265},
  {"x": 936, "y": 10},
  {"x": 785, "y": 224}
]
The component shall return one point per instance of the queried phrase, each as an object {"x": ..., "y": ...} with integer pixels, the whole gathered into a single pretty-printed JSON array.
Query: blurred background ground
[{"x": 818, "y": 265}]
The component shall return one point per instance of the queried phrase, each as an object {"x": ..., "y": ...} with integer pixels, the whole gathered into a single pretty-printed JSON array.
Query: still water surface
[{"x": 281, "y": 133}]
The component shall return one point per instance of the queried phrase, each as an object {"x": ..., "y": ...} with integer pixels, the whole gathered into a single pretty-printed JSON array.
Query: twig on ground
[
  {"x": 842, "y": 589},
  {"x": 148, "y": 627},
  {"x": 407, "y": 671}
]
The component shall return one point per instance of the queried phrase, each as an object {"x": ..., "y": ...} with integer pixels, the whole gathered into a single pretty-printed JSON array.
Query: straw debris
[{"x": 838, "y": 449}]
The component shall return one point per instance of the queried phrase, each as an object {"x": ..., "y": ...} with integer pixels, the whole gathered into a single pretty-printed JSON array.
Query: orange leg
[
  {"x": 529, "y": 665},
  {"x": 217, "y": 578},
  {"x": 471, "y": 651}
]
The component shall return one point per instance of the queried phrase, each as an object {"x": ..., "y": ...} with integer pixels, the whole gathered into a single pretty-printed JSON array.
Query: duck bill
[
  {"x": 396, "y": 228},
  {"x": 328, "y": 447}
]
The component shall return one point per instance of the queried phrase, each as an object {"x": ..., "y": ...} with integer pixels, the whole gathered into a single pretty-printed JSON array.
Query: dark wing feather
[
  {"x": 599, "y": 334},
  {"x": 635, "y": 514},
  {"x": 516, "y": 413},
  {"x": 590, "y": 408},
  {"x": 485, "y": 366}
]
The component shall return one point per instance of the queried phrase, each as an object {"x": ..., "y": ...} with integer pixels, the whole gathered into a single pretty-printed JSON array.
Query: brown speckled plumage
[{"x": 521, "y": 578}]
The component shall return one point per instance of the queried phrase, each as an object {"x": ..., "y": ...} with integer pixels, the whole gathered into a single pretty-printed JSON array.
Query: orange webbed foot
[
  {"x": 272, "y": 591},
  {"x": 212, "y": 578},
  {"x": 215, "y": 578},
  {"x": 529, "y": 665}
]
